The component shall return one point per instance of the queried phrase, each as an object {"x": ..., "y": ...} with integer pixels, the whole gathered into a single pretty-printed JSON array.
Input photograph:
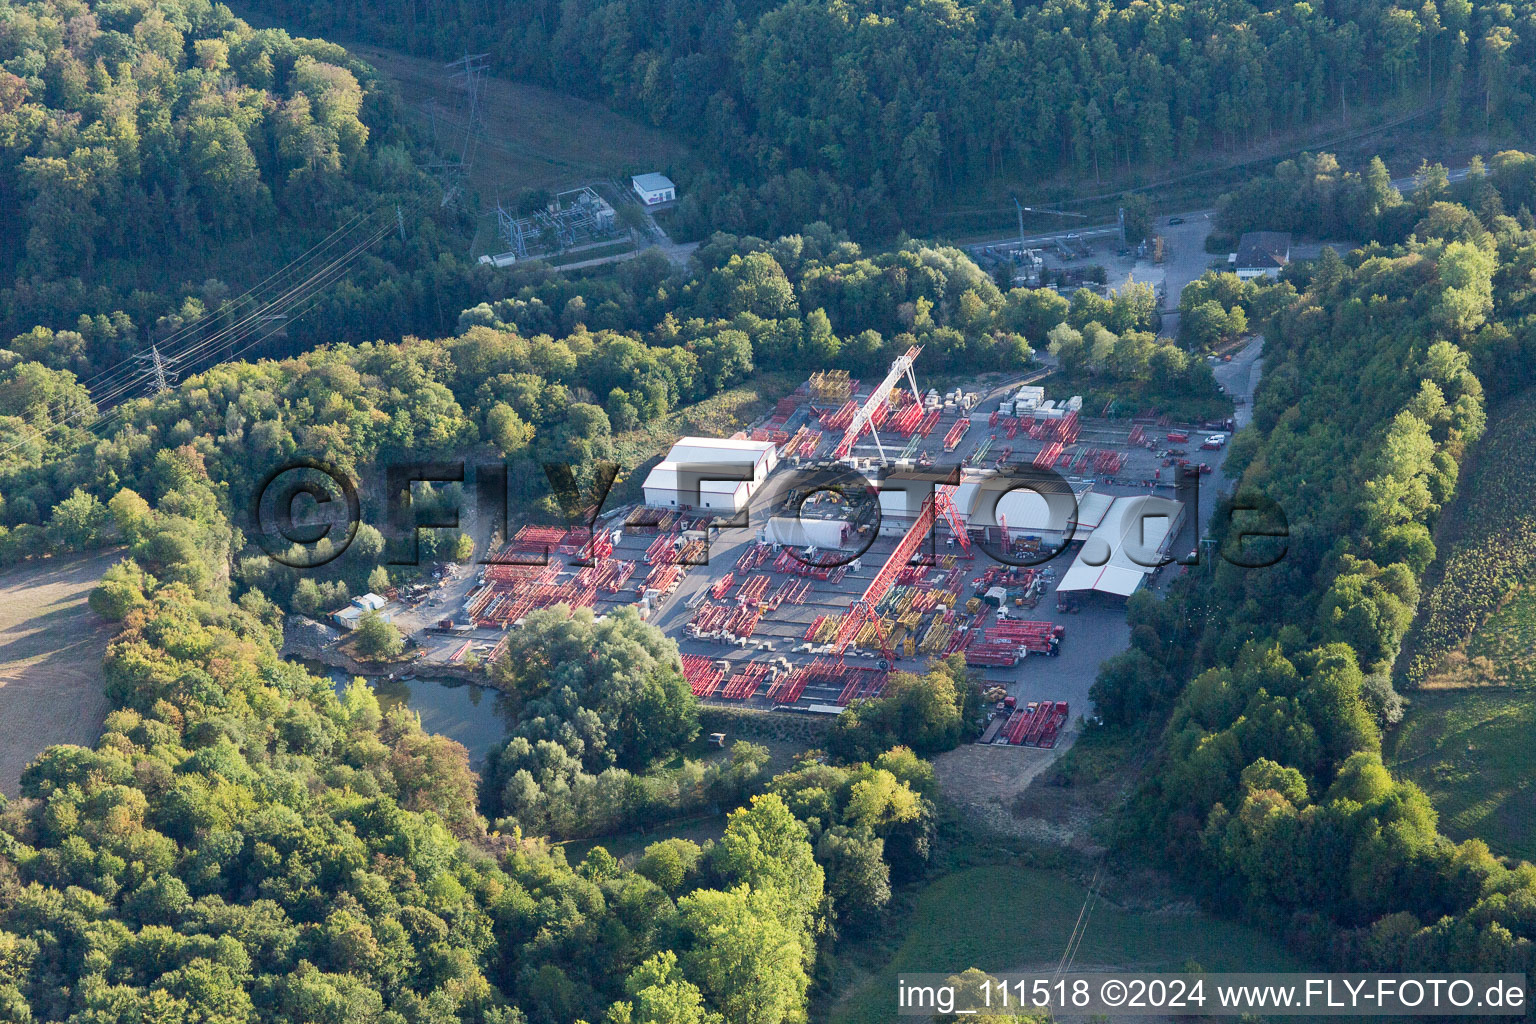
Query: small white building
[
  {"x": 348, "y": 616},
  {"x": 682, "y": 479},
  {"x": 653, "y": 188}
]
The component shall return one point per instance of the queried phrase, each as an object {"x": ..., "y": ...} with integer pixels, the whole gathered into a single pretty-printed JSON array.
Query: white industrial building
[
  {"x": 348, "y": 617},
  {"x": 805, "y": 532},
  {"x": 682, "y": 479},
  {"x": 1125, "y": 547},
  {"x": 653, "y": 188},
  {"x": 983, "y": 494}
]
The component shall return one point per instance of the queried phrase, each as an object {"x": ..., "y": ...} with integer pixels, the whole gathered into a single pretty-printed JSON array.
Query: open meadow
[
  {"x": 1466, "y": 738},
  {"x": 531, "y": 137},
  {"x": 1011, "y": 918},
  {"x": 51, "y": 646}
]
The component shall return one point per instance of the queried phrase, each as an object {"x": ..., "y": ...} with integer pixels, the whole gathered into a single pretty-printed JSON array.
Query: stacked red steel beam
[
  {"x": 662, "y": 550},
  {"x": 787, "y": 562},
  {"x": 753, "y": 557},
  {"x": 789, "y": 590},
  {"x": 993, "y": 653},
  {"x": 790, "y": 686},
  {"x": 752, "y": 590},
  {"x": 718, "y": 589},
  {"x": 662, "y": 578},
  {"x": 1052, "y": 728},
  {"x": 1033, "y": 636},
  {"x": 956, "y": 432},
  {"x": 744, "y": 683},
  {"x": 840, "y": 419},
  {"x": 1043, "y": 714},
  {"x": 743, "y": 622},
  {"x": 861, "y": 683},
  {"x": 908, "y": 419},
  {"x": 930, "y": 421},
  {"x": 704, "y": 676},
  {"x": 1047, "y": 455},
  {"x": 538, "y": 538},
  {"x": 1109, "y": 462},
  {"x": 709, "y": 618}
]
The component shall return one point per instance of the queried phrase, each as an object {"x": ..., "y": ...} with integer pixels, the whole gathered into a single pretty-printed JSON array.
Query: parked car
[{"x": 1175, "y": 220}]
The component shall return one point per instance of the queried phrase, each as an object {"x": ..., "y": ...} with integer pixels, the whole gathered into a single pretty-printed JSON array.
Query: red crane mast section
[{"x": 863, "y": 610}]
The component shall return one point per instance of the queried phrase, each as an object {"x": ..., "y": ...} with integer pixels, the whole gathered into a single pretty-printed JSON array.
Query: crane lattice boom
[
  {"x": 863, "y": 610},
  {"x": 902, "y": 365}
]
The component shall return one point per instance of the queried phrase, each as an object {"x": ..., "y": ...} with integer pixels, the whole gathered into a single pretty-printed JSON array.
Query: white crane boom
[{"x": 881, "y": 393}]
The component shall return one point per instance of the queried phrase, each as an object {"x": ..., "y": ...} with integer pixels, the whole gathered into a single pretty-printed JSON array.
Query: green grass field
[
  {"x": 1472, "y": 749},
  {"x": 1467, "y": 738},
  {"x": 1002, "y": 918},
  {"x": 1472, "y": 752}
]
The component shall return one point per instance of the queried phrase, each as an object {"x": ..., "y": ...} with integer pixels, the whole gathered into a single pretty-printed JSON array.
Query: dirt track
[{"x": 51, "y": 646}]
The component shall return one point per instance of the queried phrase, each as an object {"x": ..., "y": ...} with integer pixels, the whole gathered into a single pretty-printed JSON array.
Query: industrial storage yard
[{"x": 826, "y": 589}]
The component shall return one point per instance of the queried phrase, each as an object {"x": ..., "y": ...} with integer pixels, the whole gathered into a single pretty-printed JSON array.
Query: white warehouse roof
[
  {"x": 1124, "y": 546},
  {"x": 707, "y": 450},
  {"x": 664, "y": 477},
  {"x": 651, "y": 182}
]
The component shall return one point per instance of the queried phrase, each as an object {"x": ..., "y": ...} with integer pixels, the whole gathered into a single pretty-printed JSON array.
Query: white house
[
  {"x": 653, "y": 188},
  {"x": 683, "y": 479},
  {"x": 1261, "y": 254}
]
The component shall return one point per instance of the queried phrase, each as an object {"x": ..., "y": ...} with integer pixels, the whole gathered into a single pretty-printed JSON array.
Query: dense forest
[
  {"x": 1268, "y": 787},
  {"x": 245, "y": 842},
  {"x": 159, "y": 159},
  {"x": 870, "y": 114}
]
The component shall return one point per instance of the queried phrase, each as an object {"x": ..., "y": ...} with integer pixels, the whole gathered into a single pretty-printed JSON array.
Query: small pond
[{"x": 476, "y": 716}]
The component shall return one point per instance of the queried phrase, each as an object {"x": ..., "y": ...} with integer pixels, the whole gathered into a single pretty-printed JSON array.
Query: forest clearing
[{"x": 51, "y": 645}]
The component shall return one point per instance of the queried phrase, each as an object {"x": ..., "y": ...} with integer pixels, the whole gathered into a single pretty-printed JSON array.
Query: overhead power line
[{"x": 298, "y": 285}]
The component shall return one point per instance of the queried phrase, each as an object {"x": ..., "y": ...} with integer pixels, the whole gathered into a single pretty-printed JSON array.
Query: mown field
[
  {"x": 1471, "y": 751},
  {"x": 1472, "y": 747},
  {"x": 1469, "y": 736},
  {"x": 1005, "y": 918},
  {"x": 51, "y": 646}
]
